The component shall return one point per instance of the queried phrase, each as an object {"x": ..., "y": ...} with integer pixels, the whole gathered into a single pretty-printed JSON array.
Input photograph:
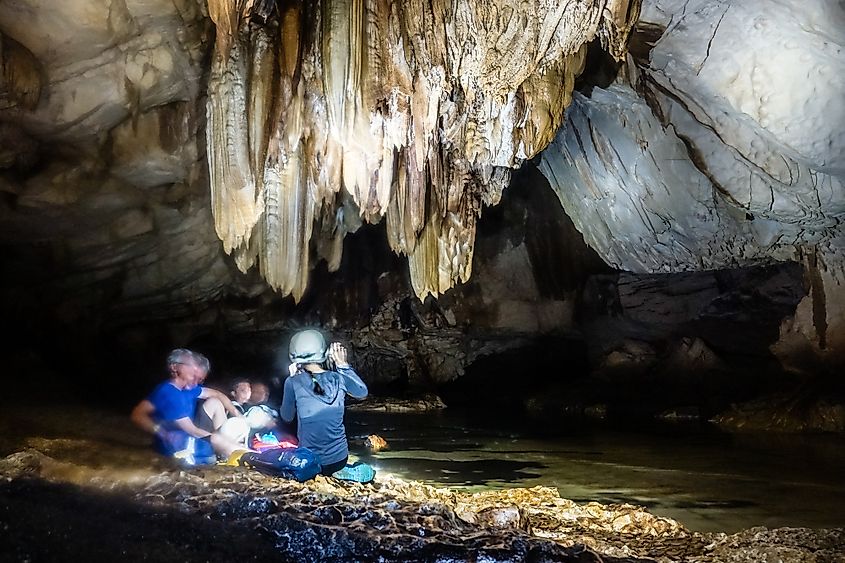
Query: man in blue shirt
[{"x": 169, "y": 410}]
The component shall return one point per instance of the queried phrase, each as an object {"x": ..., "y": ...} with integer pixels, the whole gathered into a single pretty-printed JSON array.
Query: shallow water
[{"x": 705, "y": 479}]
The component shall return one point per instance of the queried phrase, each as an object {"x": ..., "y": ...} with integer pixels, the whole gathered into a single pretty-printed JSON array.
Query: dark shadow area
[
  {"x": 532, "y": 214},
  {"x": 88, "y": 525},
  {"x": 600, "y": 69},
  {"x": 501, "y": 381}
]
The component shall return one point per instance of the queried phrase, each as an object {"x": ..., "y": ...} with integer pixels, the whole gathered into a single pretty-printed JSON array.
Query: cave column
[{"x": 814, "y": 338}]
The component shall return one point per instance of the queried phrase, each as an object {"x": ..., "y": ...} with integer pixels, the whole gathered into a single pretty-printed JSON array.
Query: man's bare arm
[
  {"x": 208, "y": 392},
  {"x": 142, "y": 416}
]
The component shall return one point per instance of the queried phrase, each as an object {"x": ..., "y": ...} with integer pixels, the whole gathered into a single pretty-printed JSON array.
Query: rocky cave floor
[{"x": 82, "y": 484}]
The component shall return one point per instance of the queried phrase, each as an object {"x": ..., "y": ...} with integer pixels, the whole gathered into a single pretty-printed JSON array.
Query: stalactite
[
  {"x": 234, "y": 202},
  {"x": 414, "y": 111},
  {"x": 617, "y": 24},
  {"x": 287, "y": 227},
  {"x": 262, "y": 89},
  {"x": 812, "y": 263}
]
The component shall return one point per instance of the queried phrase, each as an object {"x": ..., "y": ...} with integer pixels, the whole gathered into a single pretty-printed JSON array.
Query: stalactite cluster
[{"x": 322, "y": 114}]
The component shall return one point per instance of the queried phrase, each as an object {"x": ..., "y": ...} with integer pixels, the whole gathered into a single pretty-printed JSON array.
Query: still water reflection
[{"x": 707, "y": 480}]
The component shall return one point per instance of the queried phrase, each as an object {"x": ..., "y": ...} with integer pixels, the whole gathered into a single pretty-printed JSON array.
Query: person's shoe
[{"x": 358, "y": 472}]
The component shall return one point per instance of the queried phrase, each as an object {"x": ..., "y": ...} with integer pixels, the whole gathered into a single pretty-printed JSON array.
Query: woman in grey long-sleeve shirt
[{"x": 316, "y": 397}]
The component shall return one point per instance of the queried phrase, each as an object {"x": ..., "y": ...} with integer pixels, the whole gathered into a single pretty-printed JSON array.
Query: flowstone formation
[{"x": 323, "y": 114}]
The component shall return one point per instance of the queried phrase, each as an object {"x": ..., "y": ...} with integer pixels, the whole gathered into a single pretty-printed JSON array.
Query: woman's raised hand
[{"x": 340, "y": 355}]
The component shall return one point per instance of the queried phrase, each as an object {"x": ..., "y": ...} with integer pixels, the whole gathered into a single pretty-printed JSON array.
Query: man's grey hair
[
  {"x": 180, "y": 356},
  {"x": 202, "y": 361}
]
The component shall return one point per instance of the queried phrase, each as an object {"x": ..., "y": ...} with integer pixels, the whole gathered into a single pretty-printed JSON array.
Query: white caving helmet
[{"x": 307, "y": 347}]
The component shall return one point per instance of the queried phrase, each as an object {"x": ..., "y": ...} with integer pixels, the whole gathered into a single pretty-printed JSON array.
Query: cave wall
[
  {"x": 720, "y": 146},
  {"x": 109, "y": 189},
  {"x": 112, "y": 249}
]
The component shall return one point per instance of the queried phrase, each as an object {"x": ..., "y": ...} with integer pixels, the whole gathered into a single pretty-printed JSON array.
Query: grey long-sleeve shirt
[{"x": 320, "y": 417}]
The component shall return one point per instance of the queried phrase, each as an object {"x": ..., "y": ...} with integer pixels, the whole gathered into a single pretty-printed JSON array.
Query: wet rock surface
[
  {"x": 785, "y": 413},
  {"x": 375, "y": 443},
  {"x": 105, "y": 495},
  {"x": 423, "y": 403}
]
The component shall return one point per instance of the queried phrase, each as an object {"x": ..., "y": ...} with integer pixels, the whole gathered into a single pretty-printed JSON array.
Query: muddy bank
[{"x": 95, "y": 492}]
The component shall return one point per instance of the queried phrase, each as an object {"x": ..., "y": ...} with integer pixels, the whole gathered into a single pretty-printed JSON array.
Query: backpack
[{"x": 299, "y": 464}]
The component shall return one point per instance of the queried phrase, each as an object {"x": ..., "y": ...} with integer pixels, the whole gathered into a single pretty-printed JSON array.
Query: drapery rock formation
[{"x": 415, "y": 111}]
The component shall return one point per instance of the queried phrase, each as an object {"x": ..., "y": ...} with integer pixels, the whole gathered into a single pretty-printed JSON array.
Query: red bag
[{"x": 270, "y": 440}]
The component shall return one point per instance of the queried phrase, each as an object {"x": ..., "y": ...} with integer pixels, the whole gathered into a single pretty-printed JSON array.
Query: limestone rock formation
[
  {"x": 100, "y": 163},
  {"x": 416, "y": 111},
  {"x": 135, "y": 135},
  {"x": 722, "y": 146},
  {"x": 703, "y": 170}
]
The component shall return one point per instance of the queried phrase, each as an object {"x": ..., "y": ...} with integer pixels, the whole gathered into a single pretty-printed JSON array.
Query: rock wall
[
  {"x": 695, "y": 158},
  {"x": 107, "y": 187},
  {"x": 720, "y": 146}
]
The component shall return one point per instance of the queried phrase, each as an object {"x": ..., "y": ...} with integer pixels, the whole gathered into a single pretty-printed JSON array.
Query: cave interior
[{"x": 603, "y": 214}]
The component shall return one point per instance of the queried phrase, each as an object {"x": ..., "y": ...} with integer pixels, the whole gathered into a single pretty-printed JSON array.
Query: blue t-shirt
[{"x": 172, "y": 403}]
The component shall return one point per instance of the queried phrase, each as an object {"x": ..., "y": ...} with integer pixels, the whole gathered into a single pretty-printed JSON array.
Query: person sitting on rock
[
  {"x": 267, "y": 430},
  {"x": 168, "y": 412},
  {"x": 316, "y": 397}
]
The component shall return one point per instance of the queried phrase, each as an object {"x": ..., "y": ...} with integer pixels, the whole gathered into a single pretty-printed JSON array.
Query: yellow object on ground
[{"x": 235, "y": 459}]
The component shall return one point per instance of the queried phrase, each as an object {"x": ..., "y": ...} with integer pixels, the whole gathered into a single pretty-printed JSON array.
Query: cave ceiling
[
  {"x": 724, "y": 147},
  {"x": 158, "y": 150}
]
